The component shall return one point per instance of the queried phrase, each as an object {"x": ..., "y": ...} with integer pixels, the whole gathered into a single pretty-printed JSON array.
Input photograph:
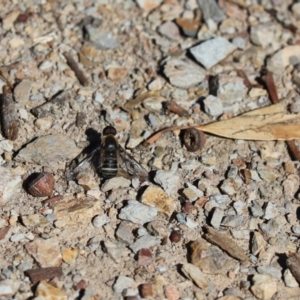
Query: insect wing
[{"x": 130, "y": 165}]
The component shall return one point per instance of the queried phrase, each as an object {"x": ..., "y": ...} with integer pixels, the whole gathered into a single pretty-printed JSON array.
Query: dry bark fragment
[
  {"x": 57, "y": 101},
  {"x": 226, "y": 244},
  {"x": 37, "y": 275},
  {"x": 173, "y": 107},
  {"x": 9, "y": 118}
]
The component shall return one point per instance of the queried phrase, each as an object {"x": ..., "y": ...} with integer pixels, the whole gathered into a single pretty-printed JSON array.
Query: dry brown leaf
[{"x": 264, "y": 124}]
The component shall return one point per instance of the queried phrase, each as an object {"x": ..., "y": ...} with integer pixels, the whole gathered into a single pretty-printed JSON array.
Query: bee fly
[{"x": 114, "y": 160}]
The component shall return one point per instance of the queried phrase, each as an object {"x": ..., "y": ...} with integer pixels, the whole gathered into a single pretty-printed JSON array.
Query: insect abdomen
[{"x": 109, "y": 157}]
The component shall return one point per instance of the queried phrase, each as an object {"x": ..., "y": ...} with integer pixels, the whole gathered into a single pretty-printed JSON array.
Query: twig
[
  {"x": 52, "y": 200},
  {"x": 74, "y": 66},
  {"x": 270, "y": 84}
]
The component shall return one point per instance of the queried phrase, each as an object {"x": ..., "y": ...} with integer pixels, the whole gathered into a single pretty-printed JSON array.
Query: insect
[{"x": 114, "y": 160}]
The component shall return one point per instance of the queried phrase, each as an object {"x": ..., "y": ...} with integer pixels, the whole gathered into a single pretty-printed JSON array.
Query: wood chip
[
  {"x": 173, "y": 107},
  {"x": 225, "y": 243},
  {"x": 37, "y": 275}
]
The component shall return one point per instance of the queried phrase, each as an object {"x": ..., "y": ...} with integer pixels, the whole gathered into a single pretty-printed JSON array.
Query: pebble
[
  {"x": 49, "y": 149},
  {"x": 192, "y": 193},
  {"x": 282, "y": 58},
  {"x": 190, "y": 164},
  {"x": 211, "y": 10},
  {"x": 263, "y": 287},
  {"x": 289, "y": 279},
  {"x": 190, "y": 223},
  {"x": 258, "y": 243},
  {"x": 170, "y": 30},
  {"x": 183, "y": 74},
  {"x": 45, "y": 65},
  {"x": 155, "y": 196},
  {"x": 47, "y": 291},
  {"x": 145, "y": 257},
  {"x": 171, "y": 292},
  {"x": 100, "y": 220},
  {"x": 213, "y": 106},
  {"x": 69, "y": 255},
  {"x": 189, "y": 27},
  {"x": 270, "y": 271},
  {"x": 243, "y": 234},
  {"x": 240, "y": 42},
  {"x": 194, "y": 274},
  {"x": 262, "y": 34},
  {"x": 124, "y": 234},
  {"x": 101, "y": 40},
  {"x": 115, "y": 183},
  {"x": 229, "y": 186},
  {"x": 116, "y": 73},
  {"x": 257, "y": 92},
  {"x": 146, "y": 241},
  {"x": 233, "y": 221},
  {"x": 116, "y": 250},
  {"x": 5, "y": 234},
  {"x": 268, "y": 174},
  {"x": 148, "y": 5},
  {"x": 9, "y": 19},
  {"x": 138, "y": 213},
  {"x": 10, "y": 184},
  {"x": 211, "y": 52},
  {"x": 270, "y": 211},
  {"x": 44, "y": 123},
  {"x": 230, "y": 89},
  {"x": 6, "y": 145},
  {"x": 168, "y": 180},
  {"x": 8, "y": 288},
  {"x": 217, "y": 217},
  {"x": 22, "y": 91},
  {"x": 45, "y": 252},
  {"x": 17, "y": 237},
  {"x": 23, "y": 114},
  {"x": 256, "y": 210},
  {"x": 271, "y": 228},
  {"x": 98, "y": 97}
]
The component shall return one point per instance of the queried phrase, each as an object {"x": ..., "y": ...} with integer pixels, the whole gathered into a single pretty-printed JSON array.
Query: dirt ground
[{"x": 221, "y": 222}]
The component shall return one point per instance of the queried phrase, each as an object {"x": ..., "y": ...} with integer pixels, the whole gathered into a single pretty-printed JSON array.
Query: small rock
[
  {"x": 5, "y": 234},
  {"x": 257, "y": 92},
  {"x": 213, "y": 106},
  {"x": 258, "y": 243},
  {"x": 262, "y": 34},
  {"x": 211, "y": 52},
  {"x": 229, "y": 186},
  {"x": 138, "y": 213},
  {"x": 289, "y": 279},
  {"x": 124, "y": 234},
  {"x": 9, "y": 19},
  {"x": 41, "y": 185},
  {"x": 168, "y": 180},
  {"x": 146, "y": 241},
  {"x": 44, "y": 123},
  {"x": 99, "y": 221},
  {"x": 115, "y": 183},
  {"x": 10, "y": 184},
  {"x": 193, "y": 273},
  {"x": 217, "y": 217},
  {"x": 147, "y": 290},
  {"x": 47, "y": 291},
  {"x": 171, "y": 292},
  {"x": 155, "y": 196},
  {"x": 268, "y": 174},
  {"x": 270, "y": 271},
  {"x": 45, "y": 65},
  {"x": 189, "y": 27},
  {"x": 6, "y": 145},
  {"x": 17, "y": 237},
  {"x": 49, "y": 149},
  {"x": 45, "y": 252},
  {"x": 208, "y": 160},
  {"x": 233, "y": 221},
  {"x": 243, "y": 234},
  {"x": 98, "y": 97},
  {"x": 211, "y": 10},
  {"x": 229, "y": 89},
  {"x": 190, "y": 223},
  {"x": 116, "y": 250},
  {"x": 270, "y": 211},
  {"x": 116, "y": 73},
  {"x": 271, "y": 228},
  {"x": 190, "y": 165},
  {"x": 148, "y": 5},
  {"x": 8, "y": 288},
  {"x": 256, "y": 210},
  {"x": 264, "y": 287},
  {"x": 183, "y": 74},
  {"x": 22, "y": 91},
  {"x": 69, "y": 255},
  {"x": 240, "y": 42},
  {"x": 88, "y": 181},
  {"x": 145, "y": 257},
  {"x": 170, "y": 30}
]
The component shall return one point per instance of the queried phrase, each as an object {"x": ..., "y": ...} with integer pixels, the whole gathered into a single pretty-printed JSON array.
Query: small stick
[
  {"x": 173, "y": 107},
  {"x": 59, "y": 100},
  {"x": 74, "y": 66},
  {"x": 270, "y": 84}
]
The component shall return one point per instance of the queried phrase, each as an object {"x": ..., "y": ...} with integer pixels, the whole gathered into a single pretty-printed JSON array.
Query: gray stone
[
  {"x": 22, "y": 91},
  {"x": 170, "y": 30},
  {"x": 233, "y": 221},
  {"x": 190, "y": 165},
  {"x": 116, "y": 250},
  {"x": 256, "y": 210},
  {"x": 122, "y": 283},
  {"x": 289, "y": 279},
  {"x": 183, "y": 74},
  {"x": 190, "y": 223},
  {"x": 194, "y": 274},
  {"x": 124, "y": 233},
  {"x": 6, "y": 145},
  {"x": 213, "y": 106},
  {"x": 264, "y": 287},
  {"x": 262, "y": 34},
  {"x": 211, "y": 10},
  {"x": 49, "y": 149},
  {"x": 271, "y": 228},
  {"x": 138, "y": 213},
  {"x": 270, "y": 211},
  {"x": 100, "y": 220},
  {"x": 115, "y": 183},
  {"x": 217, "y": 217},
  {"x": 146, "y": 241},
  {"x": 168, "y": 180},
  {"x": 229, "y": 186},
  {"x": 211, "y": 52},
  {"x": 270, "y": 271},
  {"x": 240, "y": 42},
  {"x": 243, "y": 234},
  {"x": 8, "y": 288}
]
